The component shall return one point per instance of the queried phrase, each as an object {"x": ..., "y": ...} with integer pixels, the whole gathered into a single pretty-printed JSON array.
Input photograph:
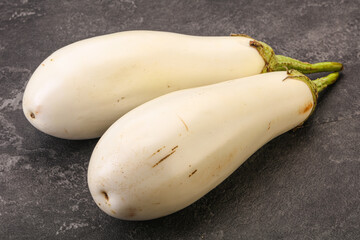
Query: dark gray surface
[{"x": 302, "y": 185}]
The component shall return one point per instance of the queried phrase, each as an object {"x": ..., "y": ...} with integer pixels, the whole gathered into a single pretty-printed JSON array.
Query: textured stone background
[{"x": 302, "y": 185}]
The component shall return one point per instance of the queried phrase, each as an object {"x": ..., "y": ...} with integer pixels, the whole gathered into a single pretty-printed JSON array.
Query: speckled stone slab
[{"x": 302, "y": 185}]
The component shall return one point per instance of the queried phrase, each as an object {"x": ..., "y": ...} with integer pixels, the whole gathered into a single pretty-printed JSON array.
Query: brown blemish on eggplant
[
  {"x": 122, "y": 98},
  {"x": 106, "y": 196},
  {"x": 33, "y": 114},
  {"x": 269, "y": 125},
  {"x": 186, "y": 127},
  {"x": 42, "y": 64},
  {"x": 306, "y": 108},
  {"x": 193, "y": 173},
  {"x": 163, "y": 159},
  {"x": 131, "y": 212},
  {"x": 174, "y": 147},
  {"x": 99, "y": 204},
  {"x": 113, "y": 211},
  {"x": 157, "y": 151},
  {"x": 51, "y": 60},
  {"x": 66, "y": 131}
]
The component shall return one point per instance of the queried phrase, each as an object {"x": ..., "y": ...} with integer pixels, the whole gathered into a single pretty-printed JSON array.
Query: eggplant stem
[
  {"x": 323, "y": 82},
  {"x": 283, "y": 63}
]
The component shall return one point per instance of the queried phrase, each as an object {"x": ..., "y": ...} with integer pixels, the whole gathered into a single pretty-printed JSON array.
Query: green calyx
[
  {"x": 315, "y": 86},
  {"x": 281, "y": 63},
  {"x": 296, "y": 69},
  {"x": 294, "y": 74}
]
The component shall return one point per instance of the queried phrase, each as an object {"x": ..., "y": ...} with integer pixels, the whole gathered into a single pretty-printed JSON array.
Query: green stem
[
  {"x": 283, "y": 63},
  {"x": 280, "y": 63},
  {"x": 322, "y": 83}
]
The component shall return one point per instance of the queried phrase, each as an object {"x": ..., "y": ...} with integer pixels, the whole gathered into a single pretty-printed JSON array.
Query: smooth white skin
[
  {"x": 206, "y": 134},
  {"x": 81, "y": 89}
]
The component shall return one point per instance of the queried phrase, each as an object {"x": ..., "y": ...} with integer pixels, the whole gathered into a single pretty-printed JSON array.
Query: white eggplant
[
  {"x": 81, "y": 89},
  {"x": 169, "y": 152}
]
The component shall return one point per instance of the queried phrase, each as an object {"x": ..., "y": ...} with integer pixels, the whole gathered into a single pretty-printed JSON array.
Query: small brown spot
[
  {"x": 131, "y": 212},
  {"x": 32, "y": 115},
  {"x": 193, "y": 173},
  {"x": 156, "y": 203},
  {"x": 187, "y": 129},
  {"x": 42, "y": 64},
  {"x": 106, "y": 196},
  {"x": 174, "y": 147},
  {"x": 190, "y": 165},
  {"x": 113, "y": 212},
  {"x": 157, "y": 151},
  {"x": 66, "y": 131},
  {"x": 269, "y": 125},
  {"x": 168, "y": 86},
  {"x": 122, "y": 98},
  {"x": 306, "y": 108},
  {"x": 99, "y": 204},
  {"x": 51, "y": 60},
  {"x": 163, "y": 159}
]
